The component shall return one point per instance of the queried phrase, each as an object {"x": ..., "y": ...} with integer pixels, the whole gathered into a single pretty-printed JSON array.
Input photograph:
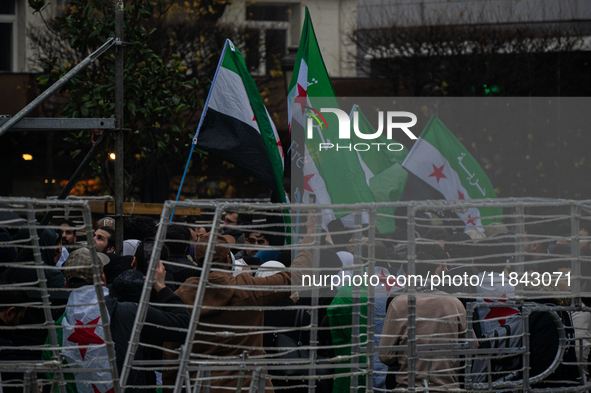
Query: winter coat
[{"x": 225, "y": 291}]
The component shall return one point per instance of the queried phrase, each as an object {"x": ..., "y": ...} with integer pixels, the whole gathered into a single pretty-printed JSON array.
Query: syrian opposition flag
[
  {"x": 384, "y": 175},
  {"x": 326, "y": 176},
  {"x": 236, "y": 126},
  {"x": 83, "y": 342},
  {"x": 441, "y": 168}
]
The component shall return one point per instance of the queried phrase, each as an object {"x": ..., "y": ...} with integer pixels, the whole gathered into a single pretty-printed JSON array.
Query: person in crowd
[
  {"x": 106, "y": 222},
  {"x": 161, "y": 324},
  {"x": 585, "y": 240},
  {"x": 441, "y": 319},
  {"x": 177, "y": 241},
  {"x": 493, "y": 259},
  {"x": 68, "y": 238},
  {"x": 104, "y": 239},
  {"x": 68, "y": 232},
  {"x": 54, "y": 280},
  {"x": 475, "y": 234},
  {"x": 495, "y": 228},
  {"x": 230, "y": 219},
  {"x": 536, "y": 245},
  {"x": 139, "y": 228},
  {"x": 253, "y": 239},
  {"x": 437, "y": 234},
  {"x": 7, "y": 251},
  {"x": 581, "y": 320},
  {"x": 235, "y": 292},
  {"x": 197, "y": 232},
  {"x": 13, "y": 307}
]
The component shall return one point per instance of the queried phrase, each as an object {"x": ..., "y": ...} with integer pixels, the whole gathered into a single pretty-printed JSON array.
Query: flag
[
  {"x": 82, "y": 339},
  {"x": 384, "y": 175},
  {"x": 236, "y": 126},
  {"x": 441, "y": 168},
  {"x": 326, "y": 176},
  {"x": 374, "y": 161}
]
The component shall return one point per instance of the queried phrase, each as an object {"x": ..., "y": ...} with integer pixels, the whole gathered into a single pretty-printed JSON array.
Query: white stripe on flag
[
  {"x": 229, "y": 97},
  {"x": 424, "y": 161}
]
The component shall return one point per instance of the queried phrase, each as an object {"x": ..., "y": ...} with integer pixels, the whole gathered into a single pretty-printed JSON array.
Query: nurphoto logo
[{"x": 393, "y": 122}]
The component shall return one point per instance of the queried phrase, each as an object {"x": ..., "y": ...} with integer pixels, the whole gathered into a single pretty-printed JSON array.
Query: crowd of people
[{"x": 249, "y": 311}]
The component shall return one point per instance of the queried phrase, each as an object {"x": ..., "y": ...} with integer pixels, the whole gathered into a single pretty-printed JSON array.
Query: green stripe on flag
[{"x": 235, "y": 62}]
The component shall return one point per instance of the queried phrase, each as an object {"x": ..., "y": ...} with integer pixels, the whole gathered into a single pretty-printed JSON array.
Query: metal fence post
[
  {"x": 412, "y": 331},
  {"x": 119, "y": 104}
]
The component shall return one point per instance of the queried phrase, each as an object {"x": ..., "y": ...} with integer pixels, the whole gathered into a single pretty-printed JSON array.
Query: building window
[
  {"x": 267, "y": 12},
  {"x": 7, "y": 34},
  {"x": 270, "y": 25}
]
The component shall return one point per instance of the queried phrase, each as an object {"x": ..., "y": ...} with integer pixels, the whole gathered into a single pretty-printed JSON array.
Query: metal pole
[
  {"x": 119, "y": 173},
  {"x": 100, "y": 297},
  {"x": 356, "y": 308},
  {"x": 56, "y": 86},
  {"x": 411, "y": 271},
  {"x": 314, "y": 303},
  {"x": 520, "y": 250},
  {"x": 198, "y": 304},
  {"x": 45, "y": 294},
  {"x": 575, "y": 225},
  {"x": 370, "y": 300}
]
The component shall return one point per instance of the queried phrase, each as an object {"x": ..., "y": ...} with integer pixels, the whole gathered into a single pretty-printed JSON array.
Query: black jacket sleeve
[{"x": 173, "y": 316}]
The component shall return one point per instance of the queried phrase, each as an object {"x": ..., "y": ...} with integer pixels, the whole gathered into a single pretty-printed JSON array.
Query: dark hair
[
  {"x": 178, "y": 232},
  {"x": 540, "y": 234},
  {"x": 139, "y": 227},
  {"x": 459, "y": 246},
  {"x": 58, "y": 236},
  {"x": 143, "y": 253},
  {"x": 423, "y": 268},
  {"x": 436, "y": 234},
  {"x": 70, "y": 223},
  {"x": 239, "y": 217},
  {"x": 111, "y": 239},
  {"x": 12, "y": 298}
]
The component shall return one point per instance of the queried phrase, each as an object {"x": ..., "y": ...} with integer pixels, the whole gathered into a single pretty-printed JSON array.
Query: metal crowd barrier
[
  {"x": 236, "y": 339},
  {"x": 36, "y": 345}
]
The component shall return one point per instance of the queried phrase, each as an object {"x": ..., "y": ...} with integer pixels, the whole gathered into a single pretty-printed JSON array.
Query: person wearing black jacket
[
  {"x": 12, "y": 311},
  {"x": 123, "y": 313}
]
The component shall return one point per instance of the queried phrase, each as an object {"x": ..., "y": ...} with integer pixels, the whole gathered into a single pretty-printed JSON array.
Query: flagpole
[{"x": 194, "y": 142}]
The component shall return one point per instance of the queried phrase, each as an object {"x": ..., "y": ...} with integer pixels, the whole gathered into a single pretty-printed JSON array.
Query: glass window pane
[
  {"x": 7, "y": 7},
  {"x": 268, "y": 12},
  {"x": 5, "y": 46}
]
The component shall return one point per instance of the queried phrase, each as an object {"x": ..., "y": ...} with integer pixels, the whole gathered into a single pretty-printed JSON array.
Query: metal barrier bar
[
  {"x": 412, "y": 339},
  {"x": 57, "y": 85},
  {"x": 44, "y": 293},
  {"x": 188, "y": 346}
]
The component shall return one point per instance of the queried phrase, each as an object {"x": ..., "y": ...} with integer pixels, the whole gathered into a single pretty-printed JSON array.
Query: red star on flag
[
  {"x": 460, "y": 195},
  {"x": 384, "y": 279},
  {"x": 307, "y": 184},
  {"x": 438, "y": 173},
  {"x": 301, "y": 98},
  {"x": 471, "y": 220},
  {"x": 98, "y": 391},
  {"x": 254, "y": 118},
  {"x": 85, "y": 335},
  {"x": 280, "y": 148},
  {"x": 496, "y": 312}
]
